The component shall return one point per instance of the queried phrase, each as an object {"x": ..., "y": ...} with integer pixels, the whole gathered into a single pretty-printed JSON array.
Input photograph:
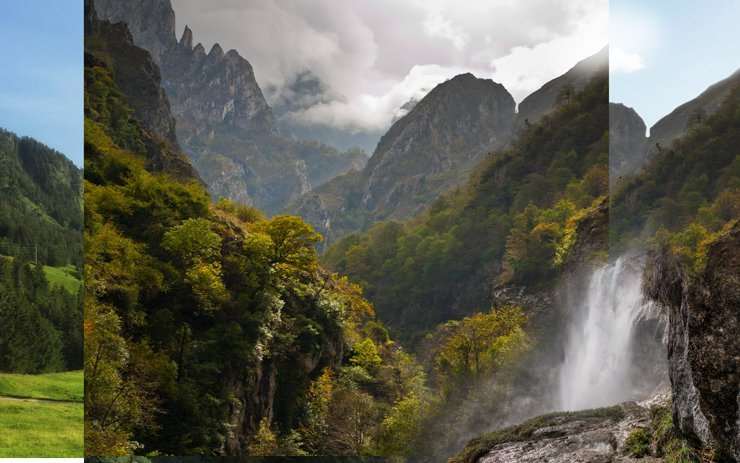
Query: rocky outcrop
[
  {"x": 544, "y": 100},
  {"x": 627, "y": 142},
  {"x": 138, "y": 77},
  {"x": 589, "y": 436},
  {"x": 703, "y": 341},
  {"x": 224, "y": 122}
]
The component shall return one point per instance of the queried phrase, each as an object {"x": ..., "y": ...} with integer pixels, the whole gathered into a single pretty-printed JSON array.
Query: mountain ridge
[
  {"x": 224, "y": 123},
  {"x": 403, "y": 176}
]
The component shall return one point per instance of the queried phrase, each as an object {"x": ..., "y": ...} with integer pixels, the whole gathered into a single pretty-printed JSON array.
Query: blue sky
[
  {"x": 41, "y": 83},
  {"x": 664, "y": 53}
]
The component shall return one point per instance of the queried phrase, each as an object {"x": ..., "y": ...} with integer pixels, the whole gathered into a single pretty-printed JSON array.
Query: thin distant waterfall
[{"x": 598, "y": 353}]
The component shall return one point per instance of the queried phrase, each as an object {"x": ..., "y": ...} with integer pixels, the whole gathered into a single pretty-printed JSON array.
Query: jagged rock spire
[
  {"x": 216, "y": 51},
  {"x": 187, "y": 38}
]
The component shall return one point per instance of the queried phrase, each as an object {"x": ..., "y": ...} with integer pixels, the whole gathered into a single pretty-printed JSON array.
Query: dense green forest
[
  {"x": 41, "y": 211},
  {"x": 511, "y": 224},
  {"x": 40, "y": 258},
  {"x": 687, "y": 193},
  {"x": 41, "y": 322}
]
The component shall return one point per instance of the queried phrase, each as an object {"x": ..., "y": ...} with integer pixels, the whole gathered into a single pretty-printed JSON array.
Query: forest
[
  {"x": 40, "y": 258},
  {"x": 520, "y": 209}
]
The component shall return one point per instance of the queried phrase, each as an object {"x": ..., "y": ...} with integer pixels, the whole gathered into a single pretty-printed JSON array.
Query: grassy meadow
[
  {"x": 66, "y": 277},
  {"x": 41, "y": 415}
]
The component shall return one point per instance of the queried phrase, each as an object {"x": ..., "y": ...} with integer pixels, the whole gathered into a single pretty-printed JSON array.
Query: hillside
[
  {"x": 229, "y": 337},
  {"x": 502, "y": 226},
  {"x": 694, "y": 182},
  {"x": 41, "y": 415},
  {"x": 40, "y": 258},
  {"x": 632, "y": 149},
  {"x": 41, "y": 211}
]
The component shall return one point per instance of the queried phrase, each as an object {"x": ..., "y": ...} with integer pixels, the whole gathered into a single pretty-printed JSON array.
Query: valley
[{"x": 497, "y": 282}]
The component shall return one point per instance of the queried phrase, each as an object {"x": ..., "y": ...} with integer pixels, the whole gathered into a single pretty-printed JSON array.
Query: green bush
[{"x": 638, "y": 443}]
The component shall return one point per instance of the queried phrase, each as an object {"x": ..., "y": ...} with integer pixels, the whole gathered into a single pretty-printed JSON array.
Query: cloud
[
  {"x": 375, "y": 55},
  {"x": 621, "y": 61},
  {"x": 634, "y": 34}
]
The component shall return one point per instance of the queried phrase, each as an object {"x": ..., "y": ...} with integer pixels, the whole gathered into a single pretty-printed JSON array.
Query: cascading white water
[{"x": 596, "y": 370}]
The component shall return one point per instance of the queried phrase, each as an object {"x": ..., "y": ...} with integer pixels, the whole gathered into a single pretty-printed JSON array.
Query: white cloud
[
  {"x": 380, "y": 53},
  {"x": 634, "y": 34},
  {"x": 624, "y": 62}
]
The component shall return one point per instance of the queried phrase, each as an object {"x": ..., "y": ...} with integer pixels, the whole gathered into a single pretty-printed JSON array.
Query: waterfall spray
[{"x": 598, "y": 353}]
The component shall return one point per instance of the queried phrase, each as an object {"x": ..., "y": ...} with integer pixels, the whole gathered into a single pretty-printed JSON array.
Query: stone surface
[
  {"x": 590, "y": 436},
  {"x": 704, "y": 341}
]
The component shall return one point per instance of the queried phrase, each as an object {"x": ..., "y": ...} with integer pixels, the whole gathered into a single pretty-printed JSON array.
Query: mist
[{"x": 373, "y": 56}]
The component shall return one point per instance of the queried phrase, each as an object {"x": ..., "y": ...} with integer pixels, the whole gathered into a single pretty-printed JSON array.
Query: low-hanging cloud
[{"x": 375, "y": 55}]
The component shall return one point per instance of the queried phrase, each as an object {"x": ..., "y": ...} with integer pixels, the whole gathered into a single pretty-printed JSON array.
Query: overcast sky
[
  {"x": 378, "y": 54},
  {"x": 41, "y": 79},
  {"x": 664, "y": 53}
]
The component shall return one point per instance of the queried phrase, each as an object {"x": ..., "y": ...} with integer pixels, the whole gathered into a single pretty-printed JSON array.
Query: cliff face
[
  {"x": 704, "y": 341},
  {"x": 426, "y": 152},
  {"x": 137, "y": 76},
  {"x": 224, "y": 122},
  {"x": 627, "y": 142}
]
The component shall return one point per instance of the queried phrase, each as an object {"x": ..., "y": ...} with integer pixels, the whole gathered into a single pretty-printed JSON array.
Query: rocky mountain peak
[
  {"x": 187, "y": 38},
  {"x": 216, "y": 52},
  {"x": 477, "y": 113}
]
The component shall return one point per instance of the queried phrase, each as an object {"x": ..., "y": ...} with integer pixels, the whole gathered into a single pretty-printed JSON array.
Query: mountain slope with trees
[
  {"x": 40, "y": 258},
  {"x": 210, "y": 329},
  {"x": 509, "y": 224},
  {"x": 224, "y": 123}
]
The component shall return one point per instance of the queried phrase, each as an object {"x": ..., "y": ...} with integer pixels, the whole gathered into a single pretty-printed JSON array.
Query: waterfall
[{"x": 598, "y": 355}]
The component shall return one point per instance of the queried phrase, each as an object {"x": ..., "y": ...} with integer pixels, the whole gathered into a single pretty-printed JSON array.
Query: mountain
[
  {"x": 41, "y": 211},
  {"x": 675, "y": 124},
  {"x": 426, "y": 152},
  {"x": 40, "y": 258},
  {"x": 434, "y": 147},
  {"x": 210, "y": 329},
  {"x": 541, "y": 102},
  {"x": 443, "y": 263},
  {"x": 224, "y": 123},
  {"x": 692, "y": 180},
  {"x": 632, "y": 148}
]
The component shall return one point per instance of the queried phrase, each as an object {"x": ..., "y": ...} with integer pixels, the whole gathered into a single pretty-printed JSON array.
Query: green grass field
[
  {"x": 56, "y": 386},
  {"x": 63, "y": 276},
  {"x": 41, "y": 428}
]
